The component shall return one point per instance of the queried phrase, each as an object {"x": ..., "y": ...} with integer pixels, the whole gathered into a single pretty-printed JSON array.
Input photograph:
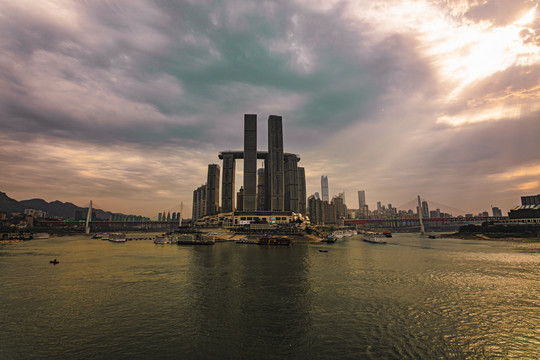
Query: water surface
[{"x": 411, "y": 298}]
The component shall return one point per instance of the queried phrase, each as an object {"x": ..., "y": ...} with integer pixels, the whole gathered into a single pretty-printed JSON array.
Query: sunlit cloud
[
  {"x": 128, "y": 101},
  {"x": 530, "y": 185}
]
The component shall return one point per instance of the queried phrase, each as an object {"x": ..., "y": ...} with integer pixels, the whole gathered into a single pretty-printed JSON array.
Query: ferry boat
[
  {"x": 196, "y": 239},
  {"x": 274, "y": 240},
  {"x": 160, "y": 240},
  {"x": 117, "y": 237},
  {"x": 375, "y": 238}
]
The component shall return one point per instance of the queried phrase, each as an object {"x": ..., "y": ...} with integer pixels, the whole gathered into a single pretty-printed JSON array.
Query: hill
[{"x": 55, "y": 208}]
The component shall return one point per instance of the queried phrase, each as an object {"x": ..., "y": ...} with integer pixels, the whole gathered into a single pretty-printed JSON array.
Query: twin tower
[{"x": 279, "y": 186}]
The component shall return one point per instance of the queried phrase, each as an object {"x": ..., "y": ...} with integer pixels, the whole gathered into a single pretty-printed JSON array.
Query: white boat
[
  {"x": 338, "y": 234},
  {"x": 348, "y": 233},
  {"x": 40, "y": 236},
  {"x": 375, "y": 238},
  {"x": 105, "y": 237},
  {"x": 117, "y": 237}
]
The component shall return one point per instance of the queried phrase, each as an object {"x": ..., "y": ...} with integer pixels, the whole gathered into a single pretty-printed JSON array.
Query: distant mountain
[{"x": 55, "y": 208}]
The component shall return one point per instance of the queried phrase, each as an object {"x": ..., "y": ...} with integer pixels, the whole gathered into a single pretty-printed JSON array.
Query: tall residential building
[
  {"x": 212, "y": 190},
  {"x": 250, "y": 162},
  {"x": 274, "y": 170},
  {"x": 324, "y": 188},
  {"x": 379, "y": 206},
  {"x": 496, "y": 211},
  {"x": 361, "y": 199},
  {"x": 291, "y": 183},
  {"x": 240, "y": 199},
  {"x": 425, "y": 209},
  {"x": 260, "y": 189},
  {"x": 302, "y": 190},
  {"x": 199, "y": 203}
]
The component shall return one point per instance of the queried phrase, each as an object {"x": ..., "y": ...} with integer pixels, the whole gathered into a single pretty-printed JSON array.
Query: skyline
[{"x": 127, "y": 102}]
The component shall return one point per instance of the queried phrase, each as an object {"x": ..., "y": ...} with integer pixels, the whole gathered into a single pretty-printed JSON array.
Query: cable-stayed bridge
[{"x": 118, "y": 221}]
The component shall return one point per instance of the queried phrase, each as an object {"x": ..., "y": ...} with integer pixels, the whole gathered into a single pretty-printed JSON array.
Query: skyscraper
[
  {"x": 275, "y": 180},
  {"x": 250, "y": 162},
  {"x": 361, "y": 199},
  {"x": 425, "y": 209},
  {"x": 212, "y": 190},
  {"x": 379, "y": 206},
  {"x": 324, "y": 187}
]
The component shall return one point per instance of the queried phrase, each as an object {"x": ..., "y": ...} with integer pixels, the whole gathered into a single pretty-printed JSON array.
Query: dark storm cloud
[
  {"x": 358, "y": 86},
  {"x": 114, "y": 52}
]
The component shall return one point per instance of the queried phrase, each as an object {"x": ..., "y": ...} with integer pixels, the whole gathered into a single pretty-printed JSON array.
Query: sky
[{"x": 126, "y": 102}]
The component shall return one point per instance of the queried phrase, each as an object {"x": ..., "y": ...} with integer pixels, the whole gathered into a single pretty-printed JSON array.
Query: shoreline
[{"x": 485, "y": 237}]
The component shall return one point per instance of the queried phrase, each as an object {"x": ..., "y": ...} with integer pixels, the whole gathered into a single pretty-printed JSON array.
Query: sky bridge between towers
[{"x": 239, "y": 154}]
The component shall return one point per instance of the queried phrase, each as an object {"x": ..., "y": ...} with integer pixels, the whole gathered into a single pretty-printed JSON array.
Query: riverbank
[{"x": 491, "y": 238}]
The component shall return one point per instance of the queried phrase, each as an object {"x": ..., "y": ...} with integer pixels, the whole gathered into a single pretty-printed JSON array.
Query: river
[{"x": 413, "y": 298}]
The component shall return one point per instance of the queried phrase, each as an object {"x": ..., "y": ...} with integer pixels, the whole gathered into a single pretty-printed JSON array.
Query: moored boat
[
  {"x": 375, "y": 238},
  {"x": 329, "y": 239},
  {"x": 274, "y": 240},
  {"x": 117, "y": 237},
  {"x": 105, "y": 236},
  {"x": 388, "y": 234},
  {"x": 196, "y": 239}
]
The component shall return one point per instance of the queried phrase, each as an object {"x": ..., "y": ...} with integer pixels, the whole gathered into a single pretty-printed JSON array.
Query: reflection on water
[{"x": 412, "y": 298}]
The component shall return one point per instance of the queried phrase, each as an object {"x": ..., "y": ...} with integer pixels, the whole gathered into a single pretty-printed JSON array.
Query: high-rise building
[
  {"x": 379, "y": 206},
  {"x": 496, "y": 211},
  {"x": 212, "y": 190},
  {"x": 250, "y": 161},
  {"x": 275, "y": 181},
  {"x": 199, "y": 203},
  {"x": 324, "y": 188},
  {"x": 260, "y": 189},
  {"x": 291, "y": 202},
  {"x": 159, "y": 217},
  {"x": 361, "y": 199},
  {"x": 302, "y": 190},
  {"x": 425, "y": 209},
  {"x": 240, "y": 199},
  {"x": 227, "y": 183}
]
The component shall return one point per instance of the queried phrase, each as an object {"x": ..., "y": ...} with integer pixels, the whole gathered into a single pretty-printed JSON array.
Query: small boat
[
  {"x": 387, "y": 234},
  {"x": 374, "y": 238},
  {"x": 321, "y": 250},
  {"x": 105, "y": 237},
  {"x": 338, "y": 234},
  {"x": 117, "y": 237},
  {"x": 95, "y": 236},
  {"x": 54, "y": 262},
  {"x": 348, "y": 233},
  {"x": 432, "y": 236}
]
